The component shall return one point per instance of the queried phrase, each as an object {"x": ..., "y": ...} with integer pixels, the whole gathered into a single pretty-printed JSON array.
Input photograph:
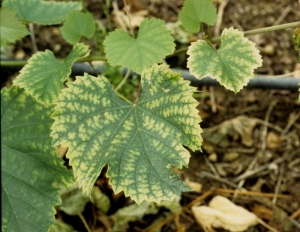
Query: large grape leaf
[
  {"x": 11, "y": 29},
  {"x": 44, "y": 75},
  {"x": 140, "y": 142},
  {"x": 42, "y": 12},
  {"x": 152, "y": 44},
  {"x": 31, "y": 172},
  {"x": 196, "y": 11},
  {"x": 232, "y": 65},
  {"x": 78, "y": 24}
]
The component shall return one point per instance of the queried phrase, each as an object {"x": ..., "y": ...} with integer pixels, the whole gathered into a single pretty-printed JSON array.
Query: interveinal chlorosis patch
[
  {"x": 141, "y": 142},
  {"x": 31, "y": 172},
  {"x": 42, "y": 12},
  {"x": 152, "y": 44},
  {"x": 232, "y": 64},
  {"x": 44, "y": 75},
  {"x": 195, "y": 12},
  {"x": 78, "y": 24},
  {"x": 11, "y": 28}
]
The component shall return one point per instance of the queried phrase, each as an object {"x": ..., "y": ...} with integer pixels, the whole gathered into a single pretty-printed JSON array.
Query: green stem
[
  {"x": 10, "y": 63},
  {"x": 84, "y": 222},
  {"x": 24, "y": 62},
  {"x": 123, "y": 81},
  {"x": 107, "y": 15},
  {"x": 124, "y": 98},
  {"x": 32, "y": 36},
  {"x": 265, "y": 30},
  {"x": 92, "y": 66},
  {"x": 247, "y": 33}
]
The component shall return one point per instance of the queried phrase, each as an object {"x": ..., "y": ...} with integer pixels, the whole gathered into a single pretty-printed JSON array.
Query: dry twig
[{"x": 265, "y": 166}]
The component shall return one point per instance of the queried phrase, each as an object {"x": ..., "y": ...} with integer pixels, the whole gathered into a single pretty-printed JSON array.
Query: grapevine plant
[{"x": 141, "y": 142}]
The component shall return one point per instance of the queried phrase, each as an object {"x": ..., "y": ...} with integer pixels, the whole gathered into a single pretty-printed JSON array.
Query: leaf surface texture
[
  {"x": 78, "y": 24},
  {"x": 141, "y": 143},
  {"x": 152, "y": 44},
  {"x": 11, "y": 29},
  {"x": 44, "y": 75},
  {"x": 195, "y": 12},
  {"x": 42, "y": 12},
  {"x": 232, "y": 64},
  {"x": 30, "y": 169}
]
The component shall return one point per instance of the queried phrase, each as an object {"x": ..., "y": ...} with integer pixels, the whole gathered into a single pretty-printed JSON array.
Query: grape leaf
[
  {"x": 196, "y": 11},
  {"x": 78, "y": 24},
  {"x": 44, "y": 75},
  {"x": 42, "y": 12},
  {"x": 140, "y": 142},
  {"x": 31, "y": 172},
  {"x": 153, "y": 43},
  {"x": 232, "y": 65},
  {"x": 11, "y": 29}
]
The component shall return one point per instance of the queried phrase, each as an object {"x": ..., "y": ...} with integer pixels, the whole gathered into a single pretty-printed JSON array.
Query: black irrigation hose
[{"x": 286, "y": 83}]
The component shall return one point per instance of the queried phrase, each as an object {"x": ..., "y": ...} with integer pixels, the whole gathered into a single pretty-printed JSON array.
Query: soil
[{"x": 261, "y": 131}]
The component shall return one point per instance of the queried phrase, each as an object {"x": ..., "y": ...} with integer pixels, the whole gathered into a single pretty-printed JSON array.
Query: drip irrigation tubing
[{"x": 258, "y": 82}]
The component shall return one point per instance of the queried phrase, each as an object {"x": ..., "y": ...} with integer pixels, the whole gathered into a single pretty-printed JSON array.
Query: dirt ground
[{"x": 251, "y": 150}]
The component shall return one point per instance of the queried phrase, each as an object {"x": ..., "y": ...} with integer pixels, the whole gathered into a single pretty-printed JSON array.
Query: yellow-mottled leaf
[
  {"x": 44, "y": 75},
  {"x": 141, "y": 143},
  {"x": 11, "y": 29},
  {"x": 232, "y": 64}
]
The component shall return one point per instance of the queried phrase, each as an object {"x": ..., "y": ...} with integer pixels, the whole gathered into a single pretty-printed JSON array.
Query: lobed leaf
[
  {"x": 78, "y": 24},
  {"x": 42, "y": 12},
  {"x": 44, "y": 75},
  {"x": 11, "y": 29},
  {"x": 141, "y": 143},
  {"x": 195, "y": 12},
  {"x": 152, "y": 44},
  {"x": 232, "y": 65},
  {"x": 30, "y": 169}
]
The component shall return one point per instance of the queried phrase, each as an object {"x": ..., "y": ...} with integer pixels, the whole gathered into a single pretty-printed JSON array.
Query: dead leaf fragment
[
  {"x": 230, "y": 156},
  {"x": 238, "y": 127},
  {"x": 123, "y": 21},
  {"x": 263, "y": 212},
  {"x": 273, "y": 140},
  {"x": 222, "y": 213},
  {"x": 194, "y": 185}
]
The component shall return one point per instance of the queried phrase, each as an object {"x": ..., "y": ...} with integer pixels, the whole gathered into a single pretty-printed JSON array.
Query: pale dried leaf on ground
[
  {"x": 238, "y": 127},
  {"x": 222, "y": 213}
]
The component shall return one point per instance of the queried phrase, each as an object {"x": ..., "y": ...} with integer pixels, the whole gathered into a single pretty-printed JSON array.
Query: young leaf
[
  {"x": 153, "y": 43},
  {"x": 196, "y": 11},
  {"x": 140, "y": 142},
  {"x": 11, "y": 29},
  {"x": 44, "y": 75},
  {"x": 30, "y": 169},
  {"x": 42, "y": 12},
  {"x": 232, "y": 65},
  {"x": 78, "y": 24}
]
